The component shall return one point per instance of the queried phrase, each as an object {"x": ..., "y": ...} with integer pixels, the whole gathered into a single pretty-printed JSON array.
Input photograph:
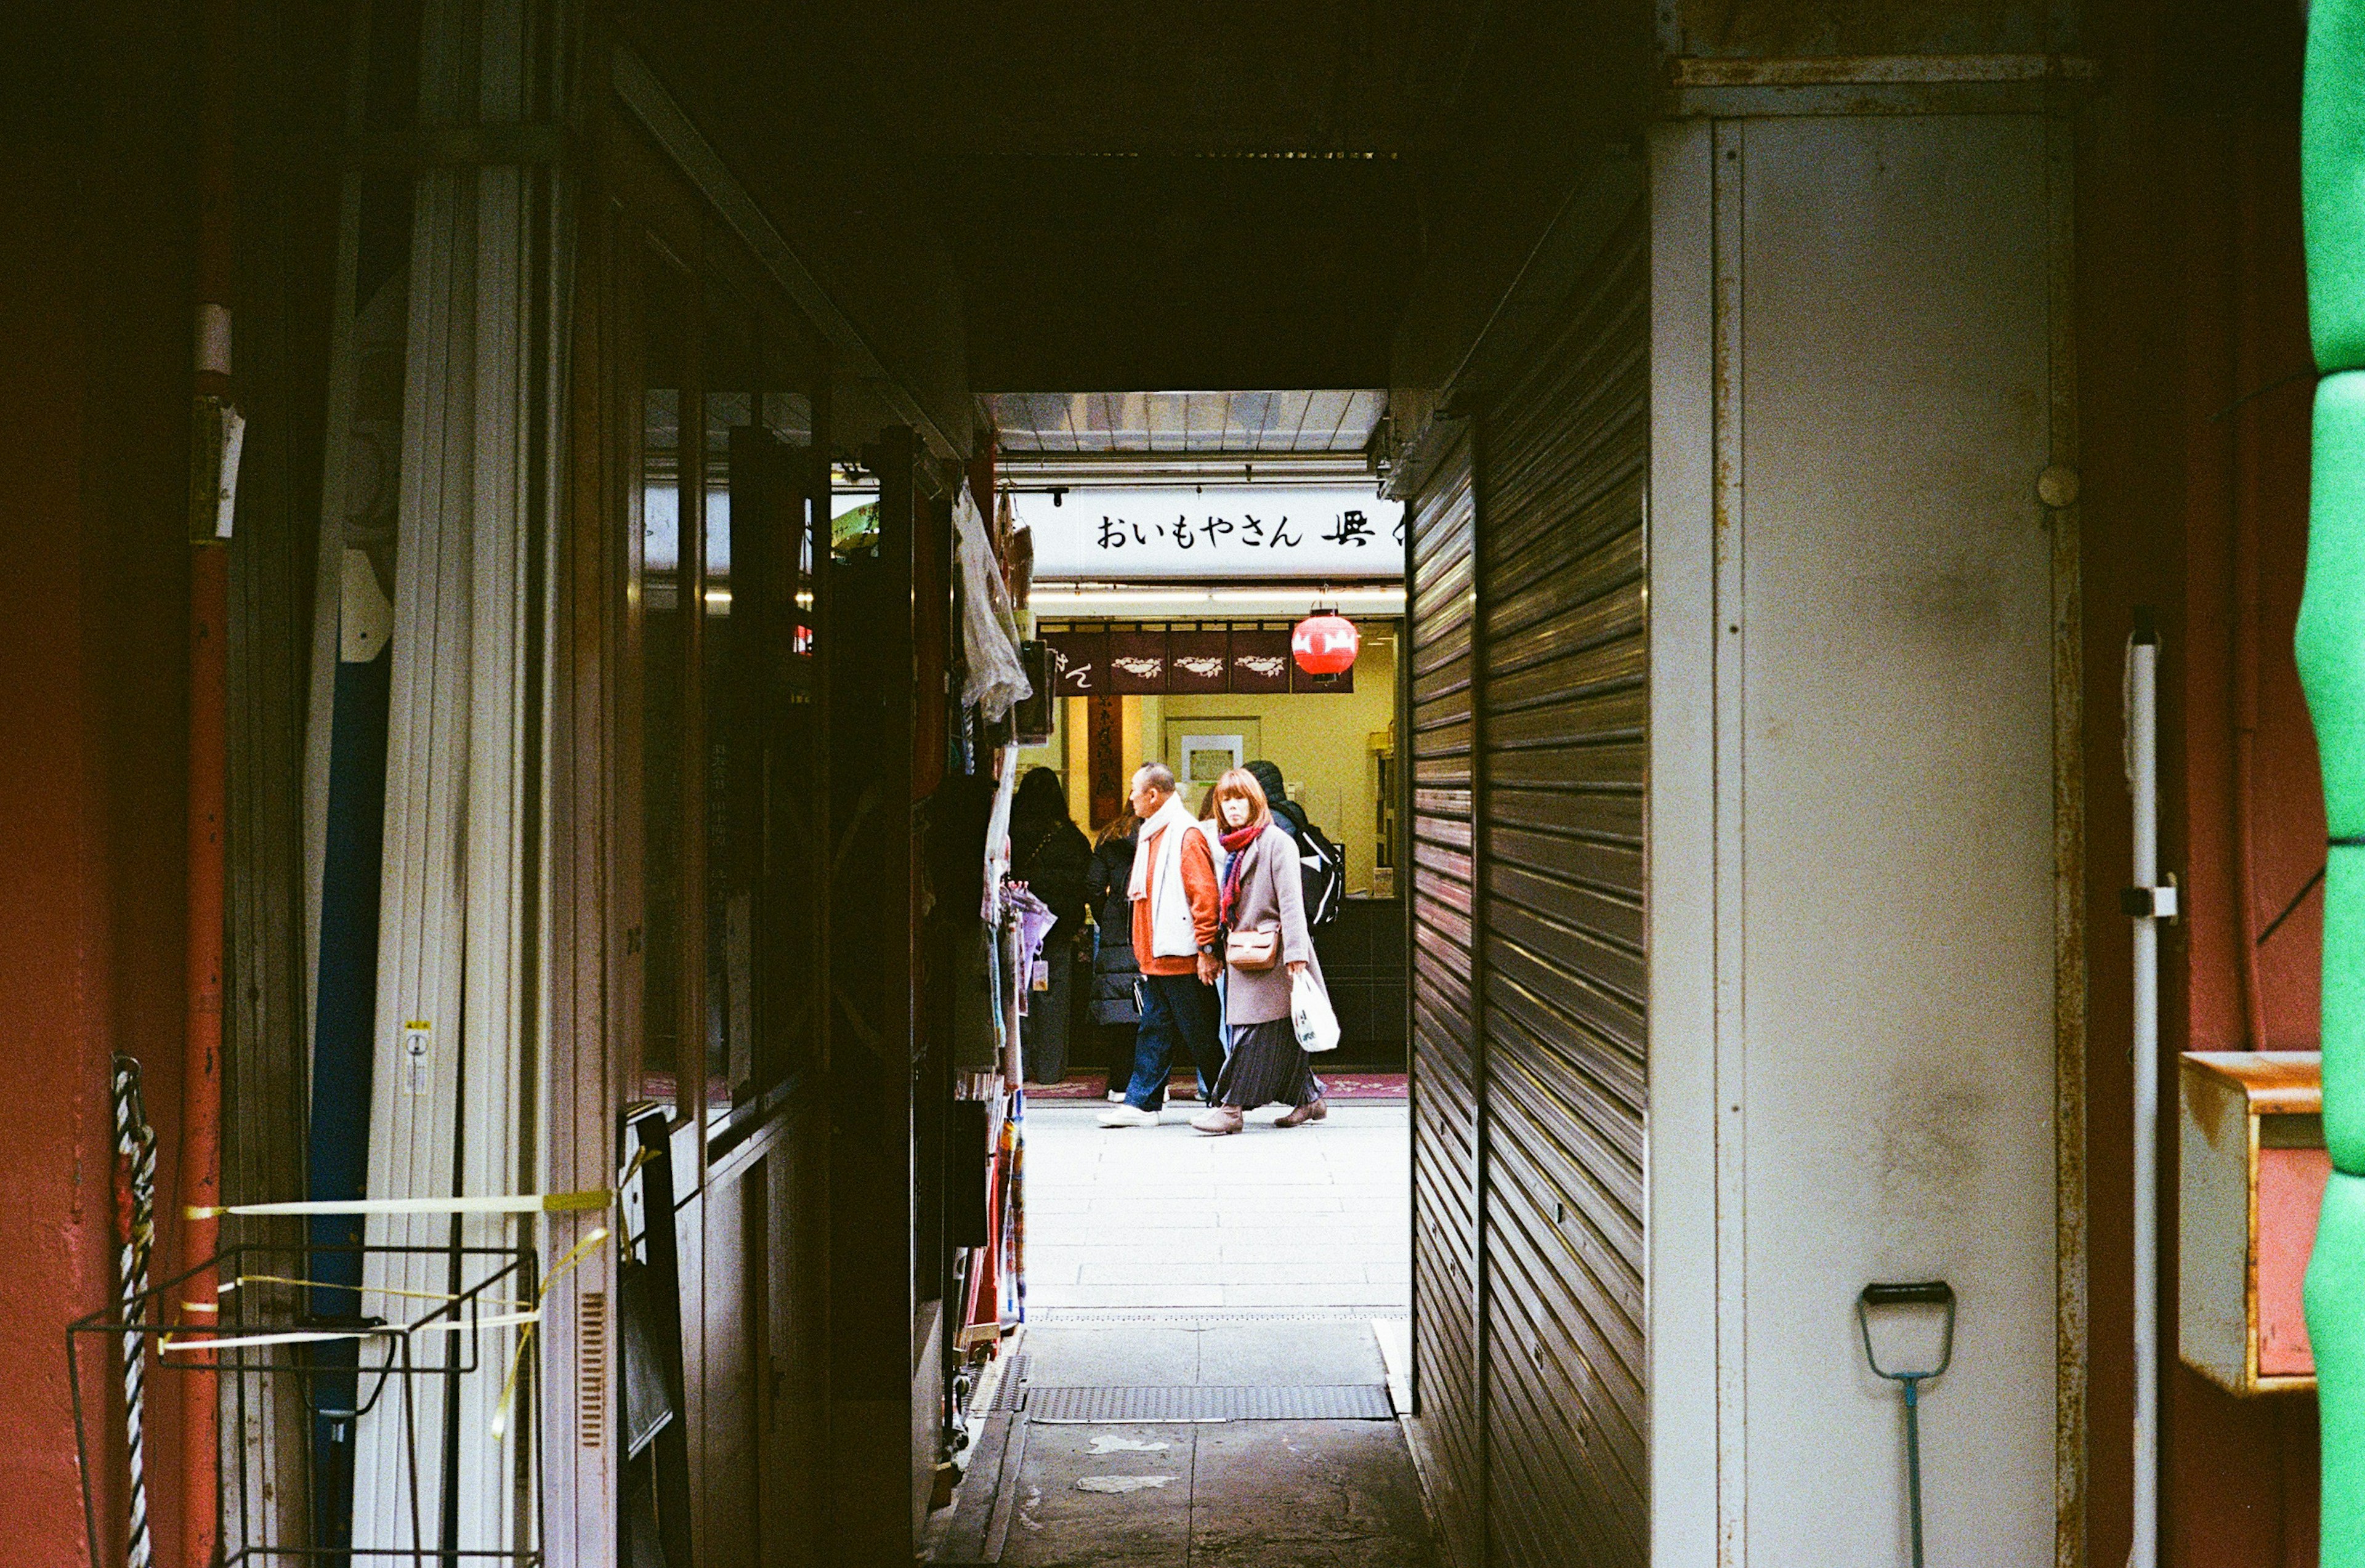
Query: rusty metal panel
[{"x": 1561, "y": 718}]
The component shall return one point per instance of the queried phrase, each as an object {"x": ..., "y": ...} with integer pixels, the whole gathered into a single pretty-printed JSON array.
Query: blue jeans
[{"x": 1176, "y": 1009}]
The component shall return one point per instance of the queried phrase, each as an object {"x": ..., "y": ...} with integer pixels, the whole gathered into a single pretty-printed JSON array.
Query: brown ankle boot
[
  {"x": 1314, "y": 1112},
  {"x": 1218, "y": 1121}
]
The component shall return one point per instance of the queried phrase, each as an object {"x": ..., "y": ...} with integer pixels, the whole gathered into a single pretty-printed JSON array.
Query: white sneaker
[
  {"x": 1117, "y": 1097},
  {"x": 1128, "y": 1116}
]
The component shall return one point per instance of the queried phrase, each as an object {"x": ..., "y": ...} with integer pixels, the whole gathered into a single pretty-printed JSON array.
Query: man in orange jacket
[{"x": 1176, "y": 913}]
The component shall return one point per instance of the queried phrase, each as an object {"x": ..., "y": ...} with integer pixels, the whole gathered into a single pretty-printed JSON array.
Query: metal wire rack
[{"x": 299, "y": 1313}]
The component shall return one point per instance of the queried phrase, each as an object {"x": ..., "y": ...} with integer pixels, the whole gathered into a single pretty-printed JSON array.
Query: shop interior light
[{"x": 1121, "y": 596}]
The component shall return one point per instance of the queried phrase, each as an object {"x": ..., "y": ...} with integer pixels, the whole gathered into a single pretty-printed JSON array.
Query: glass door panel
[
  {"x": 662, "y": 578},
  {"x": 729, "y": 681}
]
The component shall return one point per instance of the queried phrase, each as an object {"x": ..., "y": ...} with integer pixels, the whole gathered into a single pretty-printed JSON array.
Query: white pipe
[{"x": 2142, "y": 786}]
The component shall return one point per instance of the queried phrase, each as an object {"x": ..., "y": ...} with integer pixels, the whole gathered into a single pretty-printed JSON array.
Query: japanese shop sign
[{"x": 1229, "y": 533}]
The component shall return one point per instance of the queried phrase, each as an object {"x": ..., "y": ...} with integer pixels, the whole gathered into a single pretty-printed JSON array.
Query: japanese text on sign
[{"x": 1232, "y": 531}]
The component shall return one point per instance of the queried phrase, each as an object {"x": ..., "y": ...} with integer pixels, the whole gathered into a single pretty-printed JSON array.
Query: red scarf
[{"x": 1239, "y": 838}]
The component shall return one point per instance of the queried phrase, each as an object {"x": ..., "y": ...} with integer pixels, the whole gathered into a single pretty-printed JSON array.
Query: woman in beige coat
[{"x": 1263, "y": 1063}]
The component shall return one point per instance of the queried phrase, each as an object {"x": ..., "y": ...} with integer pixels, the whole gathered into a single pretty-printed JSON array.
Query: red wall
[
  {"x": 2252, "y": 814},
  {"x": 94, "y": 225},
  {"x": 2191, "y": 316}
]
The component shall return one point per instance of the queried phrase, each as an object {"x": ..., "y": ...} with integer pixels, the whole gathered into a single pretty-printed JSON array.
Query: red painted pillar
[{"x": 208, "y": 791}]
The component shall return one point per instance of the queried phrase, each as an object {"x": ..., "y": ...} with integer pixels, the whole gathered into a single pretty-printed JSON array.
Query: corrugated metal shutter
[
  {"x": 1529, "y": 1133},
  {"x": 1564, "y": 703},
  {"x": 1445, "y": 1079}
]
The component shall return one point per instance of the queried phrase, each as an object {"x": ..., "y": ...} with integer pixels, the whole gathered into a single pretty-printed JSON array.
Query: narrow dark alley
[{"x": 800, "y": 785}]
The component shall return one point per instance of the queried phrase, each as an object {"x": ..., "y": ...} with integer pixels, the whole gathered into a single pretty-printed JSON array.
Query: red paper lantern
[{"x": 1325, "y": 642}]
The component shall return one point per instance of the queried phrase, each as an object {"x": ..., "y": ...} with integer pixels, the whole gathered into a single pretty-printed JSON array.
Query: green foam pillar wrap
[
  {"x": 2331, "y": 650},
  {"x": 2332, "y": 183}
]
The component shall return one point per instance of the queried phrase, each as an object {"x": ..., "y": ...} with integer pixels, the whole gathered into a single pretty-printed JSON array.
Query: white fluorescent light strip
[{"x": 1046, "y": 594}]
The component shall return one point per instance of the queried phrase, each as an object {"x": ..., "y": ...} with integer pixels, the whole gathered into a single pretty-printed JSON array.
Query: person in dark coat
[
  {"x": 1050, "y": 853},
  {"x": 1288, "y": 815},
  {"x": 1116, "y": 1007}
]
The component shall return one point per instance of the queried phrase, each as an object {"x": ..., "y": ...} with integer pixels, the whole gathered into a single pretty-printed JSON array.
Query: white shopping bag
[{"x": 1310, "y": 1014}]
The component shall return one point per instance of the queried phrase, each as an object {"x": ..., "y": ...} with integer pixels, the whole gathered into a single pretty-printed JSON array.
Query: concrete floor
[
  {"x": 1157, "y": 1256},
  {"x": 1215, "y": 1495}
]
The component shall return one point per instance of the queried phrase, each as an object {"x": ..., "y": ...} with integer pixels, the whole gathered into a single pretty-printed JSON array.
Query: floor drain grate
[
  {"x": 1006, "y": 1393},
  {"x": 1331, "y": 1402}
]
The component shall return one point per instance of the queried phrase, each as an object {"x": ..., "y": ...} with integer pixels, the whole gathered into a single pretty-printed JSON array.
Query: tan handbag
[{"x": 1252, "y": 950}]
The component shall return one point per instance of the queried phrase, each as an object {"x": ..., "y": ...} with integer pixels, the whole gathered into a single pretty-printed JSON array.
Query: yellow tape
[
  {"x": 574, "y": 1254},
  {"x": 525, "y": 1204}
]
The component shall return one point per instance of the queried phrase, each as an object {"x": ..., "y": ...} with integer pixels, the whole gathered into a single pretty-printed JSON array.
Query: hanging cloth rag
[
  {"x": 997, "y": 834},
  {"x": 997, "y": 678}
]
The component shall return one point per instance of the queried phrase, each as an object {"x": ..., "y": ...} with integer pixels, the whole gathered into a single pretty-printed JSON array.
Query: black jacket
[
  {"x": 1052, "y": 857},
  {"x": 1107, "y": 883}
]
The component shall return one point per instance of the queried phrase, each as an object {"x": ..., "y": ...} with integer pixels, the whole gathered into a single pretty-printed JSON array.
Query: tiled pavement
[{"x": 1166, "y": 1219}]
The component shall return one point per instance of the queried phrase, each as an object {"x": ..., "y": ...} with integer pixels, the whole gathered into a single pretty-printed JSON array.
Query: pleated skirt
[{"x": 1266, "y": 1066}]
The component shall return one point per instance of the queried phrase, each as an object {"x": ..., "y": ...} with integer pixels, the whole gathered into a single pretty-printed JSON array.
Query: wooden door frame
[{"x": 629, "y": 196}]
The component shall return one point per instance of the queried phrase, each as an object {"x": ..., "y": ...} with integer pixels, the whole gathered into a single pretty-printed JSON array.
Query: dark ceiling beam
[
  {"x": 1083, "y": 179},
  {"x": 948, "y": 78},
  {"x": 1121, "y": 274},
  {"x": 1122, "y": 194}
]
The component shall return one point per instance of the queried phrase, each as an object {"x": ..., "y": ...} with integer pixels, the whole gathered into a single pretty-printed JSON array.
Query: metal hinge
[{"x": 2150, "y": 903}]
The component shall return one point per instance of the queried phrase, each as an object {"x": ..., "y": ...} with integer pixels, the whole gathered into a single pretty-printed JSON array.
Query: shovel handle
[{"x": 1927, "y": 1292}]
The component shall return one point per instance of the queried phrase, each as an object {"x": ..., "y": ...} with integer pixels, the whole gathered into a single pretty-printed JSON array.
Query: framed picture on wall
[{"x": 1202, "y": 749}]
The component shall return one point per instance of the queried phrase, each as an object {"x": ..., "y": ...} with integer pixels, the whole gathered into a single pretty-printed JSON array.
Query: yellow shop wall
[{"x": 1322, "y": 744}]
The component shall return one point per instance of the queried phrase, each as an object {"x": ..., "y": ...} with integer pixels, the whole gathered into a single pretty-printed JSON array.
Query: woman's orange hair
[{"x": 1240, "y": 782}]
